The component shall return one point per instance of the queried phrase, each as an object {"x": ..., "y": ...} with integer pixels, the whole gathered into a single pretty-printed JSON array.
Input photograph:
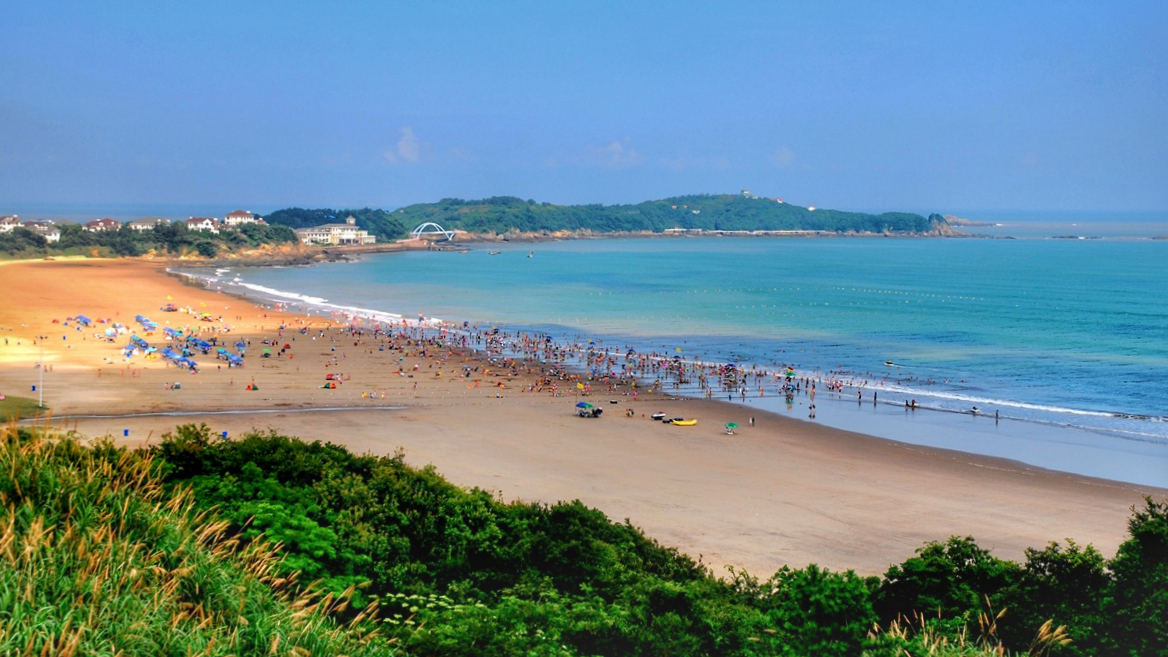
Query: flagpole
[{"x": 41, "y": 366}]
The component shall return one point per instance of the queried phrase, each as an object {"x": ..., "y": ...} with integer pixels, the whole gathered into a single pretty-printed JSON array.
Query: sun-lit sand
[{"x": 782, "y": 492}]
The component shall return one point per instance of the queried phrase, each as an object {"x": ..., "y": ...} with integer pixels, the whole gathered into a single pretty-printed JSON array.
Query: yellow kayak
[{"x": 684, "y": 423}]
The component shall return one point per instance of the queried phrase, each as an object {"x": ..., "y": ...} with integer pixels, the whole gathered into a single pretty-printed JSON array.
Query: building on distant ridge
[
  {"x": 45, "y": 229},
  {"x": 336, "y": 234},
  {"x": 102, "y": 225},
  {"x": 206, "y": 224},
  {"x": 9, "y": 224},
  {"x": 240, "y": 217},
  {"x": 143, "y": 225}
]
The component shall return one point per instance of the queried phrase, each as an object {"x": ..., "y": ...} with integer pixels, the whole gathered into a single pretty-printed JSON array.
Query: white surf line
[{"x": 256, "y": 411}]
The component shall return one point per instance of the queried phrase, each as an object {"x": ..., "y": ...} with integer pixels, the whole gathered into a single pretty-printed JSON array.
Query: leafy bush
[
  {"x": 459, "y": 572},
  {"x": 96, "y": 558}
]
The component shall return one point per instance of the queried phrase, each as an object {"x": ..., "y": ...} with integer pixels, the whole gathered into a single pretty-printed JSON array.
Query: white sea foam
[{"x": 304, "y": 298}]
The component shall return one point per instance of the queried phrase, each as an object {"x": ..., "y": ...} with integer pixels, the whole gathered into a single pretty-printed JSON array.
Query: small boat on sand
[{"x": 683, "y": 423}]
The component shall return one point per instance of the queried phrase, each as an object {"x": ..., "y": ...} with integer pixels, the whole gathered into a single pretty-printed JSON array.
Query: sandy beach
[{"x": 781, "y": 492}]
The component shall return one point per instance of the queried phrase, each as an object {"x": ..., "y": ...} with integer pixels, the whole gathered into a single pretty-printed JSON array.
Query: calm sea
[{"x": 1061, "y": 344}]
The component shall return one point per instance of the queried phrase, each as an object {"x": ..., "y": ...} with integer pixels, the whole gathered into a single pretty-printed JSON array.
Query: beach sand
[{"x": 783, "y": 492}]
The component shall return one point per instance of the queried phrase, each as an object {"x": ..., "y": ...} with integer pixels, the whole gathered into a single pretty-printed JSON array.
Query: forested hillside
[
  {"x": 499, "y": 215},
  {"x": 384, "y": 225},
  {"x": 173, "y": 239},
  {"x": 732, "y": 212}
]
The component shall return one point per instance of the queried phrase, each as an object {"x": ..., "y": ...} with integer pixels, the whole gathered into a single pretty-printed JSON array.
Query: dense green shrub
[
  {"x": 97, "y": 559},
  {"x": 459, "y": 572}
]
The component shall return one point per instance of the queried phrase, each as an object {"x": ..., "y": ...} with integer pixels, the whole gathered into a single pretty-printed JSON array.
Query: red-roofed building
[
  {"x": 45, "y": 229},
  {"x": 102, "y": 225}
]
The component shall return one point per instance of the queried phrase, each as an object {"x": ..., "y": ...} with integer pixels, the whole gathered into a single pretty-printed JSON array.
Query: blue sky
[{"x": 922, "y": 106}]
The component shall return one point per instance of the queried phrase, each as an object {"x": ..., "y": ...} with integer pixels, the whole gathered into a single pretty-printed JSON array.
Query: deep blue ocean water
[{"x": 1065, "y": 341}]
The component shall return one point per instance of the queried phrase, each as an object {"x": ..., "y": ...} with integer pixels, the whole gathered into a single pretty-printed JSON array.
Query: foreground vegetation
[
  {"x": 96, "y": 558},
  {"x": 121, "y": 545}
]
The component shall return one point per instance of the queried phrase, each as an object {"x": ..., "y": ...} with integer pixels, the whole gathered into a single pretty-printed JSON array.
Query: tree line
[
  {"x": 500, "y": 215},
  {"x": 724, "y": 212},
  {"x": 173, "y": 238}
]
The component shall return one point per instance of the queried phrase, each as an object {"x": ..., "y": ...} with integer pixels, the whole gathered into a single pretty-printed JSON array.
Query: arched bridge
[{"x": 432, "y": 229}]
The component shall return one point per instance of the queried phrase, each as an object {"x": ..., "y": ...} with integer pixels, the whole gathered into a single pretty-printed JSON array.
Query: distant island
[
  {"x": 290, "y": 233},
  {"x": 501, "y": 216}
]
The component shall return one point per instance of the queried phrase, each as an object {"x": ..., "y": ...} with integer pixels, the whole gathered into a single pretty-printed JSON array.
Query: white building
[
  {"x": 143, "y": 225},
  {"x": 207, "y": 224},
  {"x": 336, "y": 234},
  {"x": 9, "y": 224},
  {"x": 45, "y": 229},
  {"x": 240, "y": 217}
]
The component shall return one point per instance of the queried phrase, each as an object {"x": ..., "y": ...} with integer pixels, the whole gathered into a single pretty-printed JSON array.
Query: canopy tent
[{"x": 83, "y": 320}]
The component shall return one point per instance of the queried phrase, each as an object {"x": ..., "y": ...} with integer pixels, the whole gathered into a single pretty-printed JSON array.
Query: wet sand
[{"x": 784, "y": 492}]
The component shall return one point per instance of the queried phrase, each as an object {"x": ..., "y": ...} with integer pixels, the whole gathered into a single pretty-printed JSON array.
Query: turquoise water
[{"x": 1065, "y": 341}]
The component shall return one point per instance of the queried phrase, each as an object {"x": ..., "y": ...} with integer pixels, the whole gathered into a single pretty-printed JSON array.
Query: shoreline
[
  {"x": 1084, "y": 450},
  {"x": 784, "y": 492}
]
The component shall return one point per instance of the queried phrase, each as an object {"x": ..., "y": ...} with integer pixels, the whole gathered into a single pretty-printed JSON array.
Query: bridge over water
[{"x": 432, "y": 229}]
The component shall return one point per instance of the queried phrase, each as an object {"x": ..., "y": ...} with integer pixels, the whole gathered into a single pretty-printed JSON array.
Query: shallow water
[{"x": 1063, "y": 340}]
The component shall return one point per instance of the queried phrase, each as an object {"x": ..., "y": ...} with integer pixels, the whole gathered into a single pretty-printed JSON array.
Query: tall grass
[
  {"x": 940, "y": 637},
  {"x": 96, "y": 559}
]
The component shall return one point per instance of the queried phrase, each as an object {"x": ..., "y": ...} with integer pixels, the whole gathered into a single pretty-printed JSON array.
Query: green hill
[
  {"x": 500, "y": 215},
  {"x": 726, "y": 212}
]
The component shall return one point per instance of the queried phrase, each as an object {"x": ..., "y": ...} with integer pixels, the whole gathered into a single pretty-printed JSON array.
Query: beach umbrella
[
  {"x": 732, "y": 425},
  {"x": 583, "y": 405}
]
